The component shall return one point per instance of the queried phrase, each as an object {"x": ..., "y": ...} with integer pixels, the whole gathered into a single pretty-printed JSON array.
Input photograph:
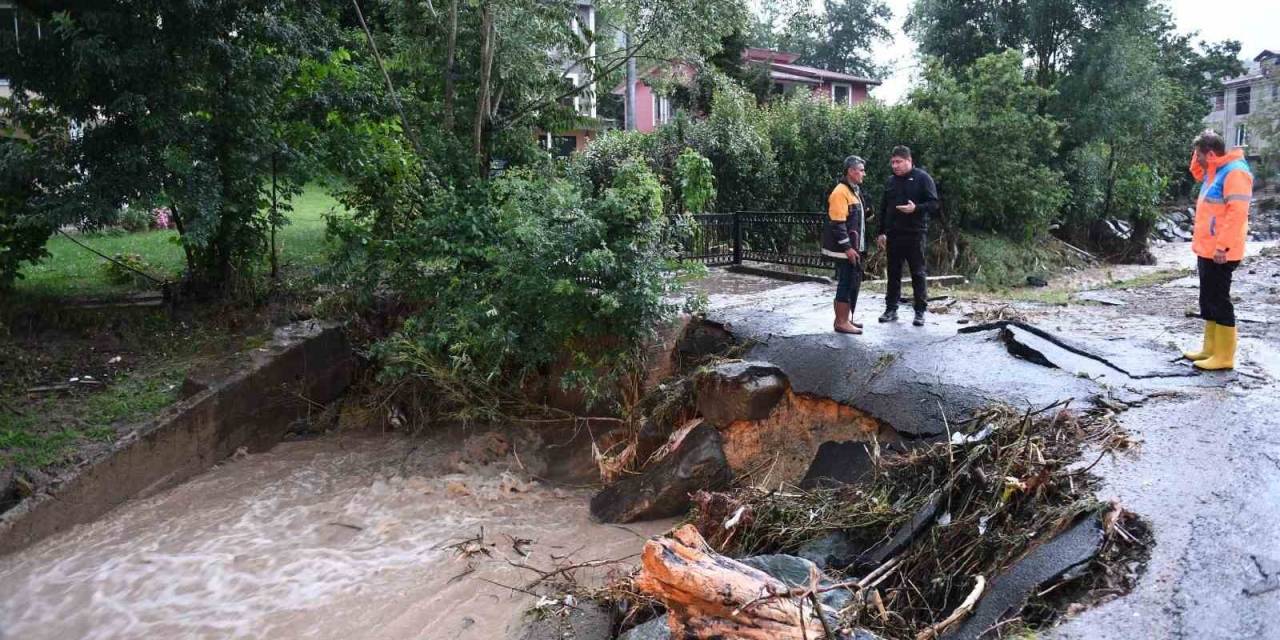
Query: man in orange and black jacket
[
  {"x": 843, "y": 241},
  {"x": 1222, "y": 223}
]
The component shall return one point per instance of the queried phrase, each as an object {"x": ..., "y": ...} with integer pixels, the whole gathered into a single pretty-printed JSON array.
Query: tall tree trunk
[
  {"x": 482, "y": 98},
  {"x": 630, "y": 108},
  {"x": 449, "y": 70},
  {"x": 275, "y": 220},
  {"x": 1111, "y": 180}
]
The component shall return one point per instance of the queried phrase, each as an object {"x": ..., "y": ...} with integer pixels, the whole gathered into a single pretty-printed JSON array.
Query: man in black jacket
[{"x": 910, "y": 196}]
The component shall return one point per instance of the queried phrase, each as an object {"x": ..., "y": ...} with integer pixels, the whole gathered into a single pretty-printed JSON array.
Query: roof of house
[
  {"x": 769, "y": 55},
  {"x": 814, "y": 72},
  {"x": 781, "y": 69},
  {"x": 1254, "y": 70}
]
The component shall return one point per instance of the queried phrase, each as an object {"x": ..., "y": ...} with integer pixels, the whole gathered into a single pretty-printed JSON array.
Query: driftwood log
[{"x": 708, "y": 595}]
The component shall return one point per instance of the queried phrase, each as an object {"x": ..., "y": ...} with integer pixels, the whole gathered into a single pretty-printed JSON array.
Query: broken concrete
[
  {"x": 662, "y": 491},
  {"x": 250, "y": 405},
  {"x": 922, "y": 520},
  {"x": 739, "y": 391},
  {"x": 1061, "y": 557},
  {"x": 839, "y": 463}
]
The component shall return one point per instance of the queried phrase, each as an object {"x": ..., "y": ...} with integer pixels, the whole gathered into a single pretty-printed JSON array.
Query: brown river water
[{"x": 328, "y": 538}]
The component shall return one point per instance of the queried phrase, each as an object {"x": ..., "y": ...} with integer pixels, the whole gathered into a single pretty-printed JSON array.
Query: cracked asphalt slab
[{"x": 1206, "y": 475}]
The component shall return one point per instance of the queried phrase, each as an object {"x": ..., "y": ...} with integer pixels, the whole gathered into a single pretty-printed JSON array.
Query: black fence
[{"x": 777, "y": 237}]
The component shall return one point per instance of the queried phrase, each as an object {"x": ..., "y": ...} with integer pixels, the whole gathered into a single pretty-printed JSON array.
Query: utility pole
[{"x": 630, "y": 116}]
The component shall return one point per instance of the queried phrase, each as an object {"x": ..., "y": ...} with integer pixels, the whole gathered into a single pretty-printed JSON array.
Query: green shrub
[
  {"x": 124, "y": 269},
  {"x": 135, "y": 219},
  {"x": 514, "y": 276}
]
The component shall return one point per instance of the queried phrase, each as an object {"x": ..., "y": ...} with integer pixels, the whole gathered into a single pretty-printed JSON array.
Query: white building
[{"x": 1244, "y": 96}]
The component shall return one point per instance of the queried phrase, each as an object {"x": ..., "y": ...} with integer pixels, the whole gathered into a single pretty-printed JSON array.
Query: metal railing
[{"x": 777, "y": 237}]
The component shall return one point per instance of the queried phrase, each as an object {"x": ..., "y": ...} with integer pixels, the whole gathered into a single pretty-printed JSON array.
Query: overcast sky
[{"x": 1255, "y": 23}]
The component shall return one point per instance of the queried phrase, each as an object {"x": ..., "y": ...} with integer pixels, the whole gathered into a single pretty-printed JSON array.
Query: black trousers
[
  {"x": 848, "y": 282},
  {"x": 910, "y": 249},
  {"x": 1215, "y": 291}
]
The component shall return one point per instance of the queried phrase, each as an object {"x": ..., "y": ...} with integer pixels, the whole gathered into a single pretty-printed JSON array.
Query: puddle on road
[{"x": 330, "y": 538}]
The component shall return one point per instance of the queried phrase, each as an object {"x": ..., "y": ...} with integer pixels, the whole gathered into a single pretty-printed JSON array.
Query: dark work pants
[
  {"x": 910, "y": 249},
  {"x": 848, "y": 282},
  {"x": 1215, "y": 291}
]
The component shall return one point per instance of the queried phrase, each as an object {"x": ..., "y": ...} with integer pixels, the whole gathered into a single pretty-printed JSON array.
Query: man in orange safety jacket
[{"x": 1222, "y": 222}]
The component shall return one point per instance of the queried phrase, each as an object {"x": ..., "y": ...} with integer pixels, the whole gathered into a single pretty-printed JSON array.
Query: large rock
[
  {"x": 795, "y": 573},
  {"x": 662, "y": 491},
  {"x": 586, "y": 621},
  {"x": 832, "y": 550},
  {"x": 655, "y": 629},
  {"x": 739, "y": 391}
]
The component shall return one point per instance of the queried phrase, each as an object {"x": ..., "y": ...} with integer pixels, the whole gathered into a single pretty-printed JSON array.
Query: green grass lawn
[{"x": 73, "y": 271}]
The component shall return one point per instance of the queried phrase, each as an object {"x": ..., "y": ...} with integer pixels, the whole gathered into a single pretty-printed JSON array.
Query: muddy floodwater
[{"x": 328, "y": 538}]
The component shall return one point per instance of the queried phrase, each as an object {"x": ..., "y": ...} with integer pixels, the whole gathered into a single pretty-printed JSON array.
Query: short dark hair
[
  {"x": 854, "y": 161},
  {"x": 901, "y": 151},
  {"x": 1209, "y": 140}
]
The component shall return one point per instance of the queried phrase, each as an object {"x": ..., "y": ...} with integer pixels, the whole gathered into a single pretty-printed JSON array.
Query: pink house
[{"x": 654, "y": 110}]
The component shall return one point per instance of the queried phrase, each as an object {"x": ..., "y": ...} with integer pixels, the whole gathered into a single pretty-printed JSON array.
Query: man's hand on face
[
  {"x": 909, "y": 207},
  {"x": 852, "y": 256},
  {"x": 1220, "y": 257},
  {"x": 880, "y": 241}
]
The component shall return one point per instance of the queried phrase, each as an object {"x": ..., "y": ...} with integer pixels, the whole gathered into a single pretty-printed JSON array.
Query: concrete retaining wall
[{"x": 248, "y": 401}]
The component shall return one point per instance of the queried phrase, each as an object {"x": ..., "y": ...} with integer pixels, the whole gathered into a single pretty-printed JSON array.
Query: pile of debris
[{"x": 993, "y": 528}]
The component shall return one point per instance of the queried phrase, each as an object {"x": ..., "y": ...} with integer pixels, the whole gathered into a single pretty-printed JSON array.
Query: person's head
[
  {"x": 855, "y": 169},
  {"x": 1209, "y": 144},
  {"x": 900, "y": 161}
]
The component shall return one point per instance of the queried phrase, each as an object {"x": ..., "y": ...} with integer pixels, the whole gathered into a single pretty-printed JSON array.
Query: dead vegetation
[{"x": 1005, "y": 482}]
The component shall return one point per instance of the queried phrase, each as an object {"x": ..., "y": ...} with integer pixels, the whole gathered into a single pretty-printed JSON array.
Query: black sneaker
[
  {"x": 890, "y": 315},
  {"x": 919, "y": 321}
]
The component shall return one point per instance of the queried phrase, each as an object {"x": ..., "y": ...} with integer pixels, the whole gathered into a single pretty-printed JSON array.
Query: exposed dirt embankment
[{"x": 245, "y": 403}]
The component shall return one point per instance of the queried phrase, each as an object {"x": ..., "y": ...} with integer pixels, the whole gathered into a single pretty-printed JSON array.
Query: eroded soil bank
[{"x": 338, "y": 537}]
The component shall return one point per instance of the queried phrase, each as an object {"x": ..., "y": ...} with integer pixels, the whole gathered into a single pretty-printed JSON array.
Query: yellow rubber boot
[
  {"x": 1210, "y": 331},
  {"x": 1224, "y": 351}
]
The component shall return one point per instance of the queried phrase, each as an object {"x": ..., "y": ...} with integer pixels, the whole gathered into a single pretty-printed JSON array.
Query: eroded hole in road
[{"x": 992, "y": 532}]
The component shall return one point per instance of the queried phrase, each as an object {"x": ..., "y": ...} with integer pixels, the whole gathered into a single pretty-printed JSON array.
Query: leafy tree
[
  {"x": 993, "y": 164},
  {"x": 1046, "y": 31},
  {"x": 180, "y": 101},
  {"x": 840, "y": 36}
]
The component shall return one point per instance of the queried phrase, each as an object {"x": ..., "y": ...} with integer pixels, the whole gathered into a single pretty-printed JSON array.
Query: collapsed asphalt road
[{"x": 1206, "y": 476}]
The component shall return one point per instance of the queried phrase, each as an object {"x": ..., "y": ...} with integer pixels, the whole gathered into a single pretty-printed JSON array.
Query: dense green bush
[
  {"x": 980, "y": 135},
  {"x": 23, "y": 231},
  {"x": 512, "y": 276},
  {"x": 135, "y": 219},
  {"x": 992, "y": 165}
]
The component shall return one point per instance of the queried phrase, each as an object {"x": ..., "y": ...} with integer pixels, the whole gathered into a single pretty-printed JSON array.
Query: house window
[
  {"x": 1242, "y": 100},
  {"x": 1219, "y": 101},
  {"x": 568, "y": 83},
  {"x": 661, "y": 110},
  {"x": 563, "y": 146},
  {"x": 842, "y": 94},
  {"x": 1242, "y": 136}
]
